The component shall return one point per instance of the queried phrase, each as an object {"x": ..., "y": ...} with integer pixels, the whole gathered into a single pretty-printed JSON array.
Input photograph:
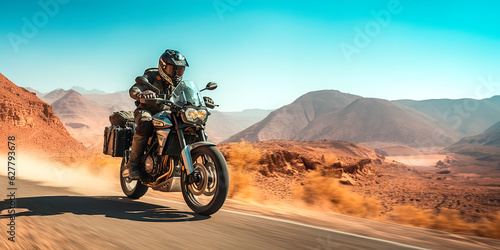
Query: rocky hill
[
  {"x": 33, "y": 123},
  {"x": 491, "y": 137},
  {"x": 369, "y": 120},
  {"x": 87, "y": 91},
  {"x": 85, "y": 120},
  {"x": 337, "y": 116},
  {"x": 377, "y": 123},
  {"x": 296, "y": 158},
  {"x": 115, "y": 101},
  {"x": 54, "y": 95},
  {"x": 73, "y": 104},
  {"x": 278, "y": 169},
  {"x": 495, "y": 126},
  {"x": 483, "y": 147},
  {"x": 466, "y": 116},
  {"x": 289, "y": 120}
]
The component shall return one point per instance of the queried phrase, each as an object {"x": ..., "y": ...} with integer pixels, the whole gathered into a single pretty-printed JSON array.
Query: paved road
[{"x": 64, "y": 218}]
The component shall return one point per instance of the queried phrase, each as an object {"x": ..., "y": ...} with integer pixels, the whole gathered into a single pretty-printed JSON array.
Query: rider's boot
[{"x": 134, "y": 164}]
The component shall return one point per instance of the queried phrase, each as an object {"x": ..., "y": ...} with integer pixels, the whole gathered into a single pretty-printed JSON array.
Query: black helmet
[{"x": 171, "y": 65}]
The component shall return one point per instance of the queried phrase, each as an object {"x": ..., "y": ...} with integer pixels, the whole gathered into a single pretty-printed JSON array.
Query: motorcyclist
[{"x": 162, "y": 80}]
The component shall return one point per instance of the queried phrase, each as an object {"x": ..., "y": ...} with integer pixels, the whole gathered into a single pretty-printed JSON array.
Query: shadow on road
[{"x": 110, "y": 206}]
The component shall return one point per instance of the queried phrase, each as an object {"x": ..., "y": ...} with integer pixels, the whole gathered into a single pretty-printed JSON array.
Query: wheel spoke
[
  {"x": 215, "y": 173},
  {"x": 204, "y": 196}
]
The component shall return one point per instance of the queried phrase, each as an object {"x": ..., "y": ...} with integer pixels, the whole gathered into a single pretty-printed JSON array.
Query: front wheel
[
  {"x": 207, "y": 194},
  {"x": 133, "y": 189}
]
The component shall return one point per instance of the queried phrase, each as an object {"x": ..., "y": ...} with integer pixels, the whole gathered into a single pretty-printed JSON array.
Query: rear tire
[
  {"x": 133, "y": 189},
  {"x": 220, "y": 182}
]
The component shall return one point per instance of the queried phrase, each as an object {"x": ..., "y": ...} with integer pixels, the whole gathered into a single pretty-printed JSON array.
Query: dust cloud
[
  {"x": 321, "y": 191},
  {"x": 448, "y": 220},
  {"x": 91, "y": 172},
  {"x": 242, "y": 160}
]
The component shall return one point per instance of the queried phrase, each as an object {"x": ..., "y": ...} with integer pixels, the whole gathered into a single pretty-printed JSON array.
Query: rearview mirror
[{"x": 210, "y": 86}]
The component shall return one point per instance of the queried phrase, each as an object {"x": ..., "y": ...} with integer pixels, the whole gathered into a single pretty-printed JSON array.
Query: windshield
[{"x": 187, "y": 93}]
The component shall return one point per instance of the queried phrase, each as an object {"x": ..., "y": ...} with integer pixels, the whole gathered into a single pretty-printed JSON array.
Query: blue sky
[{"x": 263, "y": 54}]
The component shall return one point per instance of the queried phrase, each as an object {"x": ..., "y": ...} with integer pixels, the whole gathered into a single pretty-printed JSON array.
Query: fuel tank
[
  {"x": 162, "y": 124},
  {"x": 161, "y": 120}
]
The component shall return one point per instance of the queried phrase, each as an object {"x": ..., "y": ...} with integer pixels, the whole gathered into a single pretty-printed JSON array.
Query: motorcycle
[{"x": 178, "y": 157}]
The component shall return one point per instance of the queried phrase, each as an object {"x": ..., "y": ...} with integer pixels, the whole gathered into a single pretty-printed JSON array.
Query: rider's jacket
[{"x": 162, "y": 87}]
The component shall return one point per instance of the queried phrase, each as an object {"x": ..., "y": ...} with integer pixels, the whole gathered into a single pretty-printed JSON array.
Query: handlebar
[{"x": 153, "y": 101}]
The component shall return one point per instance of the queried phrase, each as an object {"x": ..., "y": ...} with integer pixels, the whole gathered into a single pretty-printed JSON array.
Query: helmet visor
[{"x": 173, "y": 70}]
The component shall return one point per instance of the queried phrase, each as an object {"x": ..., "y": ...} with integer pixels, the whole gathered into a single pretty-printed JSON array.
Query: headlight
[
  {"x": 193, "y": 115},
  {"x": 202, "y": 114}
]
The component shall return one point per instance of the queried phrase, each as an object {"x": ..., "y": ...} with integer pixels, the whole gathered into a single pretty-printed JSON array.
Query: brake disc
[
  {"x": 211, "y": 179},
  {"x": 197, "y": 188}
]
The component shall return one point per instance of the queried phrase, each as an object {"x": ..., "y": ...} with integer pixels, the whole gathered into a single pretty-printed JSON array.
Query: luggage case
[
  {"x": 116, "y": 140},
  {"x": 120, "y": 118}
]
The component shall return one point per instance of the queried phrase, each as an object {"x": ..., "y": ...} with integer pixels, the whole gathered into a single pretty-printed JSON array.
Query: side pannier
[
  {"x": 118, "y": 136},
  {"x": 121, "y": 118}
]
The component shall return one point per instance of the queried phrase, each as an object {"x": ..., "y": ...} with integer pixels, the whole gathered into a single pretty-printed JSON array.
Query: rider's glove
[
  {"x": 148, "y": 94},
  {"x": 208, "y": 100}
]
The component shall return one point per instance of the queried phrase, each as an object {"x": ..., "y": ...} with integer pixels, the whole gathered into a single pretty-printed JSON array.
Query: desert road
[{"x": 49, "y": 217}]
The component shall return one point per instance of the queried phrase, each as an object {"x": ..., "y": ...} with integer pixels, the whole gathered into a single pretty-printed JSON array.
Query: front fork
[{"x": 186, "y": 152}]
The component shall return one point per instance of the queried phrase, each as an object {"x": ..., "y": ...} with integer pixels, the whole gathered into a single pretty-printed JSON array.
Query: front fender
[{"x": 199, "y": 144}]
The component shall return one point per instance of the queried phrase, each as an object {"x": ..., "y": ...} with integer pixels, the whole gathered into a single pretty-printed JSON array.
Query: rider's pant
[{"x": 143, "y": 118}]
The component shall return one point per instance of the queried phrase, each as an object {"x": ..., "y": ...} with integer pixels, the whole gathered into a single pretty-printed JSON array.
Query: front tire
[
  {"x": 133, "y": 189},
  {"x": 214, "y": 195}
]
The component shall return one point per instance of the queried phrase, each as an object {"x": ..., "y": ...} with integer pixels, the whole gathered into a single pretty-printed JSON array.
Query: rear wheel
[
  {"x": 133, "y": 189},
  {"x": 207, "y": 194}
]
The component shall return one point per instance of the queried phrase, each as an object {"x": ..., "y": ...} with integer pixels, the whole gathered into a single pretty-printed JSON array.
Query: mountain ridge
[
  {"x": 84, "y": 119},
  {"x": 294, "y": 116},
  {"x": 371, "y": 119},
  {"x": 427, "y": 126},
  {"x": 467, "y": 116}
]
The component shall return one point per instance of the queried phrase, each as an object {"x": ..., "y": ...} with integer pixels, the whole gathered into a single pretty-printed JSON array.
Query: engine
[{"x": 155, "y": 165}]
